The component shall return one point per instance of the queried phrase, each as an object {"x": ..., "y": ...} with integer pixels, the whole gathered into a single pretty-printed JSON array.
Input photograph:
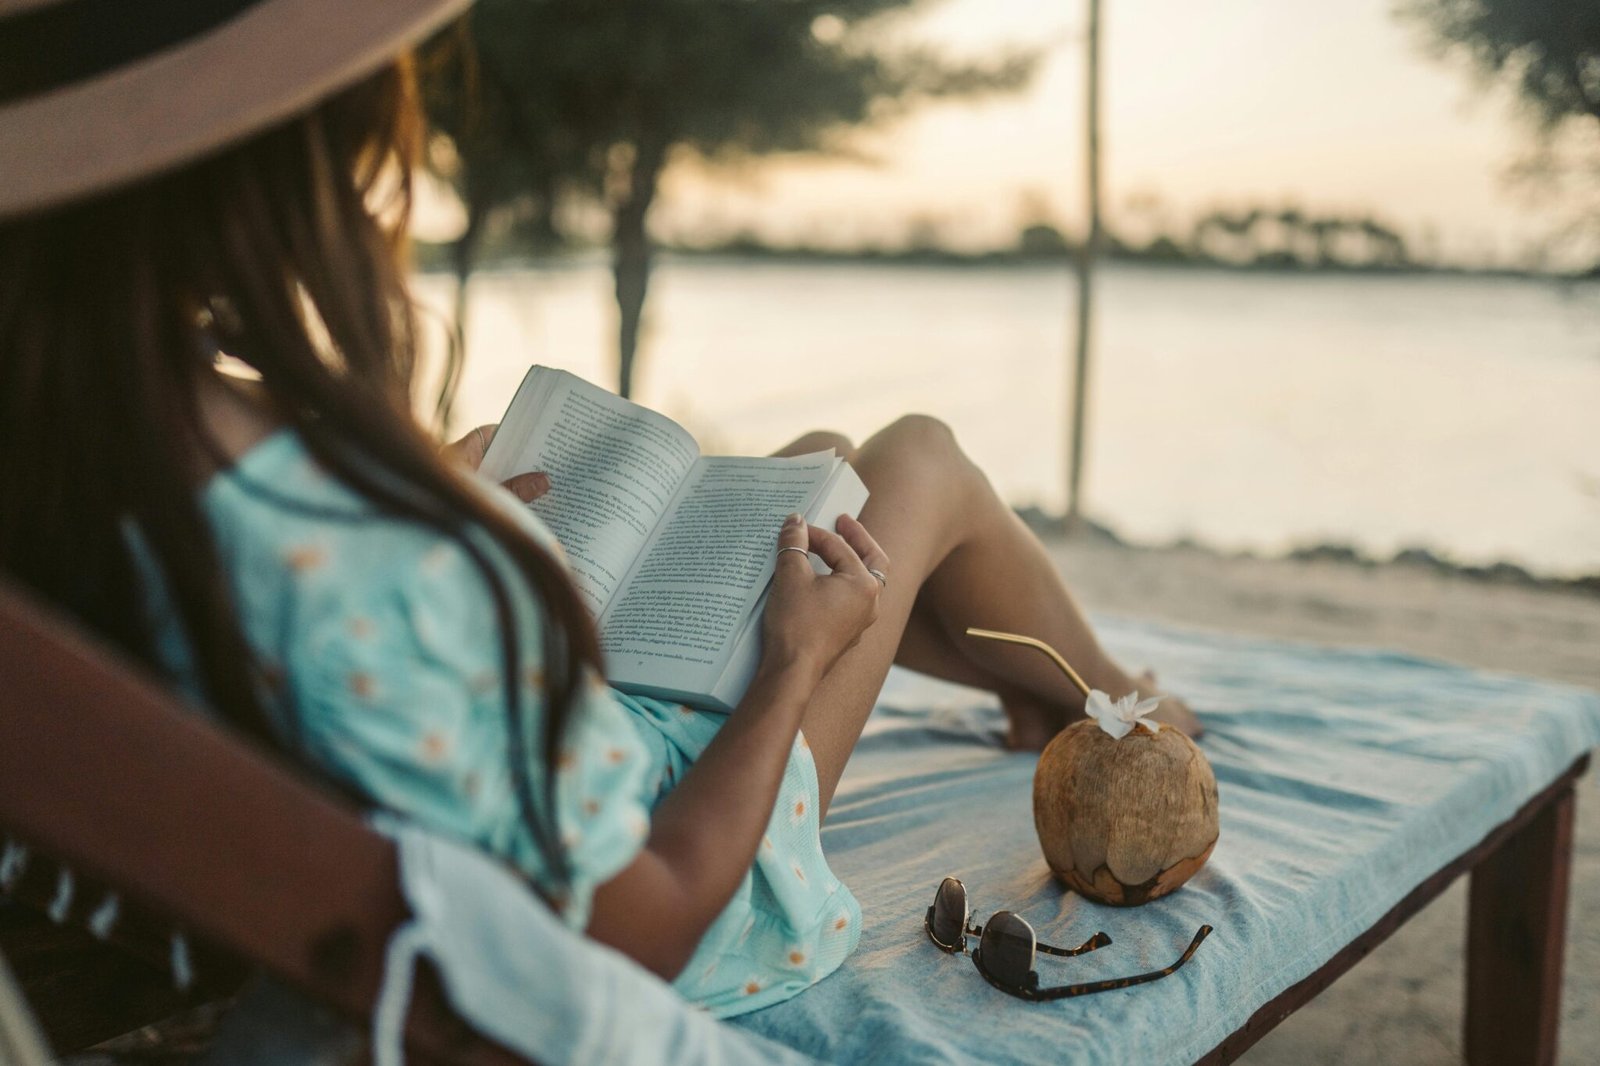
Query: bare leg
[
  {"x": 1033, "y": 720},
  {"x": 980, "y": 567},
  {"x": 925, "y": 647},
  {"x": 819, "y": 440},
  {"x": 958, "y": 557},
  {"x": 1038, "y": 703}
]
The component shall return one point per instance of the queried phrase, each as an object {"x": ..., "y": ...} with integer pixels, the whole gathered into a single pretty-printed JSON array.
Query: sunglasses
[{"x": 1007, "y": 946}]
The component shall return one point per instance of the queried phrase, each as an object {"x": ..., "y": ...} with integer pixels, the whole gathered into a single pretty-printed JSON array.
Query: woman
[{"x": 289, "y": 547}]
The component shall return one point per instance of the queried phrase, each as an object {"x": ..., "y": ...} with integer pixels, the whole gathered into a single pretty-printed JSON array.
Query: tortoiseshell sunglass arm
[
  {"x": 1040, "y": 995},
  {"x": 1094, "y": 943}
]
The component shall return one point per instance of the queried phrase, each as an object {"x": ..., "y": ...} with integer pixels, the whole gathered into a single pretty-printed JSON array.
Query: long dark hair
[{"x": 274, "y": 250}]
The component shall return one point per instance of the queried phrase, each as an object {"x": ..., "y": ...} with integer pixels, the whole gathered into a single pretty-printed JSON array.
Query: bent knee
[
  {"x": 917, "y": 462},
  {"x": 917, "y": 446},
  {"x": 820, "y": 440},
  {"x": 924, "y": 434}
]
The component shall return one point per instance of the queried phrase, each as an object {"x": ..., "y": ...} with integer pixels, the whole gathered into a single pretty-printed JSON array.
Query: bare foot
[
  {"x": 1031, "y": 722},
  {"x": 1173, "y": 711}
]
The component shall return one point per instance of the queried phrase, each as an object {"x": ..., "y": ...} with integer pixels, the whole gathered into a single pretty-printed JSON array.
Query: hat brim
[{"x": 276, "y": 60}]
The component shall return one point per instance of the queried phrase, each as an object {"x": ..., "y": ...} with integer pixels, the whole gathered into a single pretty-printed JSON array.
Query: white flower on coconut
[{"x": 1121, "y": 716}]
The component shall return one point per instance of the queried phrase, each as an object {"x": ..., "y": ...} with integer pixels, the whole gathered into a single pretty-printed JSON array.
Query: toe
[{"x": 1176, "y": 713}]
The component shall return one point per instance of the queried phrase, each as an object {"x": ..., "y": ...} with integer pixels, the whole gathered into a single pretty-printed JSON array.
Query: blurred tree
[
  {"x": 587, "y": 101},
  {"x": 1039, "y": 235},
  {"x": 1042, "y": 240},
  {"x": 1551, "y": 48},
  {"x": 497, "y": 156},
  {"x": 1290, "y": 237}
]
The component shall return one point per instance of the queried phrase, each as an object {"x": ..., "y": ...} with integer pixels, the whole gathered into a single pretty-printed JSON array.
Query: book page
[
  {"x": 843, "y": 494},
  {"x": 614, "y": 467},
  {"x": 701, "y": 574}
]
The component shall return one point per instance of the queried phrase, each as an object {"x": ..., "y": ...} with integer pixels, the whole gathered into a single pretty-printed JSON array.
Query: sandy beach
[{"x": 1403, "y": 1003}]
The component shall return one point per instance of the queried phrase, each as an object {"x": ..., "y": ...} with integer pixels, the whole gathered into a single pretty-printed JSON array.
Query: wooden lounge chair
[{"x": 102, "y": 770}]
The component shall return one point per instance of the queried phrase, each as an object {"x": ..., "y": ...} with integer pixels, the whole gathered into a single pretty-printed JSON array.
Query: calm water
[{"x": 1246, "y": 411}]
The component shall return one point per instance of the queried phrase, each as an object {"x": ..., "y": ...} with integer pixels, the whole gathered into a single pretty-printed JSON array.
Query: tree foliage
[
  {"x": 1549, "y": 48},
  {"x": 558, "y": 103},
  {"x": 1290, "y": 238},
  {"x": 1550, "y": 51}
]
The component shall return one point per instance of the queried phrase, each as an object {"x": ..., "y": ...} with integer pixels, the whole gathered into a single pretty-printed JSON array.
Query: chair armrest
[{"x": 106, "y": 770}]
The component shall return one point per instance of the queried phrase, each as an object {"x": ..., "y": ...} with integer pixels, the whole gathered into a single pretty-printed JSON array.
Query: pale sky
[{"x": 1336, "y": 106}]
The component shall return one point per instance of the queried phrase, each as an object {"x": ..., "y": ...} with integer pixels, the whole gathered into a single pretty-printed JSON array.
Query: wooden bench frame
[
  {"x": 284, "y": 877},
  {"x": 1516, "y": 935}
]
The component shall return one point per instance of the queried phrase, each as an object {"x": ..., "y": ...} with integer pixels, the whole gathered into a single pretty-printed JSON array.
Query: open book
[{"x": 673, "y": 551}]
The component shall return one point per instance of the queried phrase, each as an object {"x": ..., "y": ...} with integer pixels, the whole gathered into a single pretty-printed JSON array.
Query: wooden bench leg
[{"x": 1516, "y": 930}]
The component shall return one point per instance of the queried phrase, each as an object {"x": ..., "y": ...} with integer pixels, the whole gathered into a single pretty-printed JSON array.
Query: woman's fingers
[
  {"x": 469, "y": 450},
  {"x": 814, "y": 618},
  {"x": 794, "y": 534},
  {"x": 529, "y": 487},
  {"x": 836, "y": 552},
  {"x": 855, "y": 534}
]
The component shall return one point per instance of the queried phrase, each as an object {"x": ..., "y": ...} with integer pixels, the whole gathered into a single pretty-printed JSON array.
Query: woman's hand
[
  {"x": 814, "y": 618},
  {"x": 469, "y": 451},
  {"x": 705, "y": 832}
]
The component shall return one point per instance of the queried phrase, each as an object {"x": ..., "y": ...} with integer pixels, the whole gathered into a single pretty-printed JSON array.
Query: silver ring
[
  {"x": 793, "y": 548},
  {"x": 879, "y": 575},
  {"x": 483, "y": 445}
]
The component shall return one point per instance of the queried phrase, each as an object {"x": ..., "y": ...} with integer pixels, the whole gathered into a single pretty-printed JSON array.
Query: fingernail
[
  {"x": 793, "y": 520},
  {"x": 543, "y": 479}
]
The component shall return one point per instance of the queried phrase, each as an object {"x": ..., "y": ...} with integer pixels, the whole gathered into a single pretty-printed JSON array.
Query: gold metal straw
[{"x": 1030, "y": 642}]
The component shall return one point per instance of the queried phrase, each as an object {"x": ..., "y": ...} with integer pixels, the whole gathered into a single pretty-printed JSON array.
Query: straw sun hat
[{"x": 98, "y": 93}]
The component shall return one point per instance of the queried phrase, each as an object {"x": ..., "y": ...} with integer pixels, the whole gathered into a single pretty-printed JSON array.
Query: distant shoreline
[
  {"x": 1011, "y": 259},
  {"x": 434, "y": 258},
  {"x": 1502, "y": 572}
]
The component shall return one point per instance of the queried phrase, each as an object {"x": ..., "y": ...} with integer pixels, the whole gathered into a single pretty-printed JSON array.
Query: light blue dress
[{"x": 379, "y": 642}]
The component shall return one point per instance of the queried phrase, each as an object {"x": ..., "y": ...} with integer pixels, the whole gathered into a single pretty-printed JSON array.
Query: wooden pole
[{"x": 1086, "y": 257}]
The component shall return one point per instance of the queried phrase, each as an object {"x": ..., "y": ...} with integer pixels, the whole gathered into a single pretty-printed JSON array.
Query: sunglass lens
[
  {"x": 950, "y": 912},
  {"x": 1007, "y": 948}
]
